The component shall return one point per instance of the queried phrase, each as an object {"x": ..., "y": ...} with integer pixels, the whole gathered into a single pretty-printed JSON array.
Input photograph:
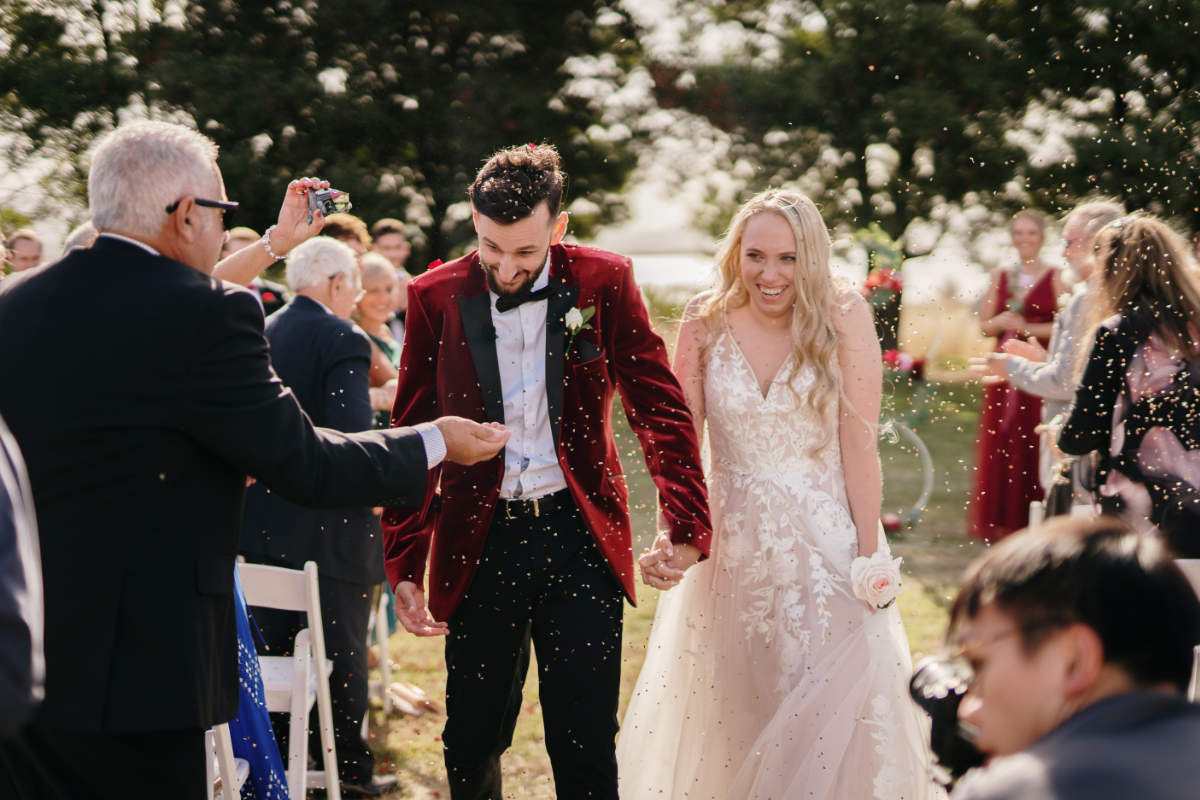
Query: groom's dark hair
[
  {"x": 1098, "y": 572},
  {"x": 514, "y": 181}
]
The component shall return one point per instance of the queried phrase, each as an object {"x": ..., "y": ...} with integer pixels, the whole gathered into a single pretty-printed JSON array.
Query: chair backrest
[
  {"x": 1191, "y": 568},
  {"x": 278, "y": 587}
]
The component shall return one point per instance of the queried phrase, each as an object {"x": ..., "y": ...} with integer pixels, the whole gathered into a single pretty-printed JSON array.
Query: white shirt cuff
[{"x": 435, "y": 443}]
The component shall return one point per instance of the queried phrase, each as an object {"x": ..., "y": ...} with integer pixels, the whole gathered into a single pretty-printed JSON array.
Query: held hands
[
  {"x": 1009, "y": 321},
  {"x": 414, "y": 614},
  {"x": 469, "y": 442},
  {"x": 293, "y": 226},
  {"x": 664, "y": 565}
]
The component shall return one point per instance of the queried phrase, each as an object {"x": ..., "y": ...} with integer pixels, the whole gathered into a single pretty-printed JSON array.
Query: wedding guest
[
  {"x": 138, "y": 479},
  {"x": 271, "y": 296},
  {"x": 323, "y": 359},
  {"x": 533, "y": 549},
  {"x": 401, "y": 306},
  {"x": 82, "y": 236},
  {"x": 373, "y": 313},
  {"x": 350, "y": 230},
  {"x": 1053, "y": 374},
  {"x": 391, "y": 241},
  {"x": 22, "y": 664},
  {"x": 1138, "y": 402},
  {"x": 1020, "y": 303},
  {"x": 1079, "y": 639},
  {"x": 24, "y": 249}
]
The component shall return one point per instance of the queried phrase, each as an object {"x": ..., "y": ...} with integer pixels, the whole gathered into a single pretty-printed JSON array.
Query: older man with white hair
[
  {"x": 324, "y": 359},
  {"x": 138, "y": 470}
]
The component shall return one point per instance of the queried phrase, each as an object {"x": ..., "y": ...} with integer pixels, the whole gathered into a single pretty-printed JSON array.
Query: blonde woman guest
[
  {"x": 373, "y": 312},
  {"x": 766, "y": 676},
  {"x": 1020, "y": 304}
]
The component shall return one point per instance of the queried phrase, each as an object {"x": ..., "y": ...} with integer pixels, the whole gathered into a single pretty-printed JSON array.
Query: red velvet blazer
[{"x": 449, "y": 366}]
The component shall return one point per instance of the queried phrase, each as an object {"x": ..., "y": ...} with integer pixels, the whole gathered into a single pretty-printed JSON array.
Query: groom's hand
[
  {"x": 469, "y": 442},
  {"x": 412, "y": 612},
  {"x": 664, "y": 565}
]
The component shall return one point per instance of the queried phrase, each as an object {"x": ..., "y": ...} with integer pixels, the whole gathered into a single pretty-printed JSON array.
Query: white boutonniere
[
  {"x": 576, "y": 320},
  {"x": 876, "y": 580}
]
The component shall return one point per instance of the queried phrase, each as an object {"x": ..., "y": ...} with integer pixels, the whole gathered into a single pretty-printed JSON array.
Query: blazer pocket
[
  {"x": 588, "y": 352},
  {"x": 214, "y": 576}
]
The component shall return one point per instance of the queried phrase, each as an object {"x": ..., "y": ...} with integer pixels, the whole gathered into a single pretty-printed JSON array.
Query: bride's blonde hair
[{"x": 814, "y": 338}]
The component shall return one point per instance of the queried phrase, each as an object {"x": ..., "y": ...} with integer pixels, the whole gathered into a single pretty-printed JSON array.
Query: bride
[{"x": 765, "y": 675}]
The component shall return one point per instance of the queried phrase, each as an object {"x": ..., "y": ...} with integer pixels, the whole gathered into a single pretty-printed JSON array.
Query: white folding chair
[
  {"x": 220, "y": 761},
  {"x": 1191, "y": 568},
  {"x": 379, "y": 625},
  {"x": 291, "y": 683}
]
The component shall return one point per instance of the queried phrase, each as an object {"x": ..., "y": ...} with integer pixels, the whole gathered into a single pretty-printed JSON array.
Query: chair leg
[
  {"x": 333, "y": 789},
  {"x": 297, "y": 769},
  {"x": 225, "y": 762},
  {"x": 210, "y": 775}
]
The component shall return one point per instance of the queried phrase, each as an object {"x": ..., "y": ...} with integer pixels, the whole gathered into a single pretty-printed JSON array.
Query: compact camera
[
  {"x": 938, "y": 686},
  {"x": 327, "y": 201}
]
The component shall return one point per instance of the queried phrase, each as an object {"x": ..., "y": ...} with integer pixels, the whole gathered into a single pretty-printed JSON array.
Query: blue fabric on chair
[{"x": 253, "y": 738}]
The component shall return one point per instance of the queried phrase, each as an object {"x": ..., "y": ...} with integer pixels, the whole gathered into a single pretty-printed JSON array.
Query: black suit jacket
[
  {"x": 141, "y": 394},
  {"x": 324, "y": 360}
]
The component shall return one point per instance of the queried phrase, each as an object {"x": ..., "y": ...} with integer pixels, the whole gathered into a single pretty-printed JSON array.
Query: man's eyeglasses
[{"x": 227, "y": 206}]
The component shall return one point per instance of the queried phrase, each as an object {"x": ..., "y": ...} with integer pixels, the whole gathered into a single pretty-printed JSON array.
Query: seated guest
[
  {"x": 1138, "y": 402},
  {"x": 1080, "y": 638},
  {"x": 24, "y": 249},
  {"x": 22, "y": 668},
  {"x": 348, "y": 229},
  {"x": 324, "y": 359},
  {"x": 391, "y": 241},
  {"x": 271, "y": 296},
  {"x": 82, "y": 236}
]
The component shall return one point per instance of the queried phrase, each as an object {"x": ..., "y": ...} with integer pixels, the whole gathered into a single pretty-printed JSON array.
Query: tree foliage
[
  {"x": 396, "y": 103},
  {"x": 888, "y": 109}
]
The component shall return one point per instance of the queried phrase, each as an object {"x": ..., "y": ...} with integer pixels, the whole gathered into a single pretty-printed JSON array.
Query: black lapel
[
  {"x": 481, "y": 337},
  {"x": 557, "y": 307}
]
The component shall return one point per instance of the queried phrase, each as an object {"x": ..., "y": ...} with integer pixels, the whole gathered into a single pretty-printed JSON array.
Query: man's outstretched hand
[
  {"x": 414, "y": 614},
  {"x": 469, "y": 442}
]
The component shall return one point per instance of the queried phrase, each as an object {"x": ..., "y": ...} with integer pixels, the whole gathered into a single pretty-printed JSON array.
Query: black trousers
[
  {"x": 346, "y": 609},
  {"x": 543, "y": 581},
  {"x": 44, "y": 763}
]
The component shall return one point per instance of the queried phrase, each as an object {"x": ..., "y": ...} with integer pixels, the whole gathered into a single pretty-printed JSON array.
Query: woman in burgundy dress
[{"x": 1021, "y": 303}]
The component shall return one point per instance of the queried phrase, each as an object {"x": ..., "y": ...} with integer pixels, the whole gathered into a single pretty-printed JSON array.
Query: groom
[{"x": 534, "y": 545}]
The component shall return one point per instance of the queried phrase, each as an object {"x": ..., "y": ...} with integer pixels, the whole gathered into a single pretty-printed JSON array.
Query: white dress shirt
[{"x": 530, "y": 459}]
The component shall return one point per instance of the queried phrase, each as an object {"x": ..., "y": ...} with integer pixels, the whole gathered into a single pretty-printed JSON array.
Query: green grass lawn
[{"x": 935, "y": 553}]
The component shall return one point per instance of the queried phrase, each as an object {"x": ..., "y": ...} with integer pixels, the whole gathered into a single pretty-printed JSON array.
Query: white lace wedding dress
[{"x": 764, "y": 676}]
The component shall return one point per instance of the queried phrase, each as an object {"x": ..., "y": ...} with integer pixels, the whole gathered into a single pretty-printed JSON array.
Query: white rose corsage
[
  {"x": 876, "y": 580},
  {"x": 575, "y": 321}
]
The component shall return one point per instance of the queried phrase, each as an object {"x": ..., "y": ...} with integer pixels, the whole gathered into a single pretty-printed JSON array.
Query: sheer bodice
[{"x": 764, "y": 675}]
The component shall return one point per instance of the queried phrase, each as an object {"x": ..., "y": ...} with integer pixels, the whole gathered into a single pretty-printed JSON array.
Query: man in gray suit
[{"x": 1080, "y": 637}]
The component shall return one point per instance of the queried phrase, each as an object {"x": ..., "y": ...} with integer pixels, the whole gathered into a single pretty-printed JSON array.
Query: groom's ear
[{"x": 560, "y": 228}]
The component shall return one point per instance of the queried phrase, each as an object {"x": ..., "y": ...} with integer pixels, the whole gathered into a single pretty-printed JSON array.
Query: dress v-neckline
[{"x": 737, "y": 346}]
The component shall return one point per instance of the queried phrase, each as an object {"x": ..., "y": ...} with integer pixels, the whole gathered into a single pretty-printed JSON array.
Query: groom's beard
[{"x": 524, "y": 288}]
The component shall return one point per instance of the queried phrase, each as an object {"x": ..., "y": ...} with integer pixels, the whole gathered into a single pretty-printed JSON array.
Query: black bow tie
[{"x": 507, "y": 302}]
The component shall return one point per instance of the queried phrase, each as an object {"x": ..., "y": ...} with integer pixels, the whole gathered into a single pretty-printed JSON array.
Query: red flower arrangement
[
  {"x": 882, "y": 285},
  {"x": 904, "y": 365}
]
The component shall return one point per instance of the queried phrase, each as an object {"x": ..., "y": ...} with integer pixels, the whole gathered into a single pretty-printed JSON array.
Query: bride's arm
[
  {"x": 663, "y": 567},
  {"x": 858, "y": 416}
]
